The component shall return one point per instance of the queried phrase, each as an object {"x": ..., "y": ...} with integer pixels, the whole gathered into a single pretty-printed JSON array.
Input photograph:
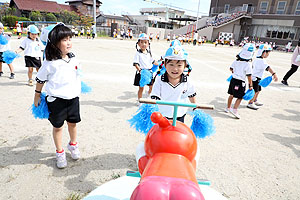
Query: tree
[
  {"x": 67, "y": 17},
  {"x": 85, "y": 21},
  {"x": 4, "y": 10},
  {"x": 50, "y": 17},
  {"x": 35, "y": 16}
]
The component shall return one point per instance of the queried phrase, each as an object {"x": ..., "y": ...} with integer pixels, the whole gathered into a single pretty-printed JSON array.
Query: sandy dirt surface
[{"x": 256, "y": 157}]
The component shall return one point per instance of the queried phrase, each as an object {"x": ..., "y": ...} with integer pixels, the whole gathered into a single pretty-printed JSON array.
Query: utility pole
[{"x": 94, "y": 9}]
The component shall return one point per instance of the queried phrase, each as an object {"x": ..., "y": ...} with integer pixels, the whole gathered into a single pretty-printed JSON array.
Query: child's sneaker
[
  {"x": 258, "y": 103},
  {"x": 284, "y": 82},
  {"x": 61, "y": 161},
  {"x": 75, "y": 154},
  {"x": 12, "y": 76},
  {"x": 235, "y": 113},
  {"x": 252, "y": 106},
  {"x": 30, "y": 82},
  {"x": 227, "y": 110}
]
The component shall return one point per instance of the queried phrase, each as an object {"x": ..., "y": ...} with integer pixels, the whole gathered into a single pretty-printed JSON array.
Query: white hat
[
  {"x": 1, "y": 25},
  {"x": 143, "y": 36},
  {"x": 247, "y": 51},
  {"x": 262, "y": 48}
]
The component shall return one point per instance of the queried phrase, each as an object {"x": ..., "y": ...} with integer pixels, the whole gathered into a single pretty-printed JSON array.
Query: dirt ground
[{"x": 254, "y": 158}]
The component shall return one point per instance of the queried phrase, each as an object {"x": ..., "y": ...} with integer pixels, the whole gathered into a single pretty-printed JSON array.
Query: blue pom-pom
[
  {"x": 9, "y": 56},
  {"x": 146, "y": 77},
  {"x": 85, "y": 88},
  {"x": 141, "y": 121},
  {"x": 3, "y": 40},
  {"x": 229, "y": 78},
  {"x": 266, "y": 81},
  {"x": 203, "y": 124},
  {"x": 249, "y": 95},
  {"x": 154, "y": 68},
  {"x": 41, "y": 111}
]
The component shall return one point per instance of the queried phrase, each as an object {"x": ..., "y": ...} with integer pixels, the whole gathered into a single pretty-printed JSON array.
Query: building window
[
  {"x": 297, "y": 10},
  {"x": 226, "y": 8},
  {"x": 263, "y": 9},
  {"x": 245, "y": 7},
  {"x": 281, "y": 7}
]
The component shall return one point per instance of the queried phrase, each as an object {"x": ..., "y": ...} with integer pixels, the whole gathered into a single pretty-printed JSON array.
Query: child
[
  {"x": 32, "y": 48},
  {"x": 143, "y": 60},
  {"x": 5, "y": 48},
  {"x": 19, "y": 31},
  {"x": 174, "y": 85},
  {"x": 241, "y": 68},
  {"x": 259, "y": 66},
  {"x": 60, "y": 71}
]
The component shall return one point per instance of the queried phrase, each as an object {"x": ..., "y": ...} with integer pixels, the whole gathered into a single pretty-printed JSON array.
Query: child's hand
[
  {"x": 37, "y": 99},
  {"x": 275, "y": 78}
]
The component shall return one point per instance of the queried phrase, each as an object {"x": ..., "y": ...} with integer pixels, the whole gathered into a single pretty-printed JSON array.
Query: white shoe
[
  {"x": 227, "y": 110},
  {"x": 75, "y": 154},
  {"x": 61, "y": 161},
  {"x": 258, "y": 103},
  {"x": 252, "y": 106},
  {"x": 235, "y": 113}
]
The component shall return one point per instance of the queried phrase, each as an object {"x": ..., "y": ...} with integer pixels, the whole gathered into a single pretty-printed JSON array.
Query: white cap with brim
[
  {"x": 262, "y": 48},
  {"x": 176, "y": 53},
  {"x": 247, "y": 51}
]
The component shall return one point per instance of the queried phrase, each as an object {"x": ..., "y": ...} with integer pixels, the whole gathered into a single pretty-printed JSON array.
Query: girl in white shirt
[{"x": 60, "y": 71}]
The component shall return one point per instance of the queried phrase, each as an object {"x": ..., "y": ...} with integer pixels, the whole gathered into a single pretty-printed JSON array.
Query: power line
[{"x": 171, "y": 6}]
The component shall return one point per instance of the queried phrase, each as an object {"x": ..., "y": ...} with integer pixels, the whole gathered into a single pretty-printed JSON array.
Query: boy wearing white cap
[
  {"x": 32, "y": 48},
  {"x": 241, "y": 68},
  {"x": 4, "y": 46},
  {"x": 259, "y": 66}
]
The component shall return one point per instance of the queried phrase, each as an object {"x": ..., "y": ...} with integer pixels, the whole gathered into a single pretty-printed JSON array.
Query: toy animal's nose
[{"x": 157, "y": 118}]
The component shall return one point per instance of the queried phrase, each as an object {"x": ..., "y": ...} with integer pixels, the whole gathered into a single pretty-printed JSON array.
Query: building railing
[{"x": 269, "y": 10}]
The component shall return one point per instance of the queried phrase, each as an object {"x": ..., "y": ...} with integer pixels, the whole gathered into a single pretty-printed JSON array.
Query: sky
[{"x": 119, "y": 7}]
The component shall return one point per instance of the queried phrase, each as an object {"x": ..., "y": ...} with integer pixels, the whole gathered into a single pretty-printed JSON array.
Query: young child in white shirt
[
  {"x": 259, "y": 66},
  {"x": 241, "y": 68},
  {"x": 143, "y": 60},
  {"x": 32, "y": 47},
  {"x": 3, "y": 48},
  {"x": 60, "y": 72}
]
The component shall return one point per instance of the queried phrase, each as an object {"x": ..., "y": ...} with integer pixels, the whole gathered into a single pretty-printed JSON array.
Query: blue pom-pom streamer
[
  {"x": 146, "y": 77},
  {"x": 141, "y": 121},
  {"x": 154, "y": 68},
  {"x": 203, "y": 124},
  {"x": 85, "y": 88},
  {"x": 41, "y": 111},
  {"x": 229, "y": 78},
  {"x": 9, "y": 56},
  {"x": 249, "y": 95},
  {"x": 266, "y": 81},
  {"x": 3, "y": 40}
]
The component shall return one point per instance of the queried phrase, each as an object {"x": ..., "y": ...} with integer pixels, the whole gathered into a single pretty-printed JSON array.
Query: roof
[
  {"x": 113, "y": 17},
  {"x": 84, "y": 2},
  {"x": 40, "y": 5}
]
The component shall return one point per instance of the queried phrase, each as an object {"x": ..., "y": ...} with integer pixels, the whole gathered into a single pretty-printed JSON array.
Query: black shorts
[
  {"x": 256, "y": 85},
  {"x": 33, "y": 62},
  {"x": 88, "y": 34},
  {"x": 63, "y": 109},
  {"x": 237, "y": 88},
  {"x": 181, "y": 119},
  {"x": 1, "y": 58},
  {"x": 137, "y": 79}
]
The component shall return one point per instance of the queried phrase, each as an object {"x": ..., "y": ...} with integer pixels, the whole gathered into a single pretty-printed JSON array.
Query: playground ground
[{"x": 254, "y": 158}]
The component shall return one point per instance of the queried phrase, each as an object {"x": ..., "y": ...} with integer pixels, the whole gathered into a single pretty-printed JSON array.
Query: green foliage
[
  {"x": 10, "y": 20},
  {"x": 74, "y": 196},
  {"x": 35, "y": 16},
  {"x": 50, "y": 17},
  {"x": 67, "y": 17}
]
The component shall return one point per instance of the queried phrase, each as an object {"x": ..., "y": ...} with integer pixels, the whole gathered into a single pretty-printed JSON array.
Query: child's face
[
  {"x": 266, "y": 54},
  {"x": 65, "y": 45},
  {"x": 1, "y": 30},
  {"x": 175, "y": 68},
  {"x": 33, "y": 36},
  {"x": 143, "y": 44}
]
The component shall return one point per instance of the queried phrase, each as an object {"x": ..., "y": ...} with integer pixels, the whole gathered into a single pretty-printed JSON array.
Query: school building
[{"x": 268, "y": 20}]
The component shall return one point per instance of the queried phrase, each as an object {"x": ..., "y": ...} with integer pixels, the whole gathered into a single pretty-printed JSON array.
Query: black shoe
[
  {"x": 284, "y": 82},
  {"x": 1, "y": 73},
  {"x": 12, "y": 76}
]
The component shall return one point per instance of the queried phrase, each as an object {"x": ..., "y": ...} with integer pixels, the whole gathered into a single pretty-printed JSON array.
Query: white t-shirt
[
  {"x": 195, "y": 36},
  {"x": 259, "y": 66},
  {"x": 163, "y": 90},
  {"x": 32, "y": 48},
  {"x": 145, "y": 61},
  {"x": 241, "y": 69},
  {"x": 62, "y": 77},
  {"x": 7, "y": 46}
]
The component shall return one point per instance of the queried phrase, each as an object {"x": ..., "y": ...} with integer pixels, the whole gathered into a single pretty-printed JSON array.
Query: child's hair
[
  {"x": 238, "y": 58},
  {"x": 58, "y": 33},
  {"x": 168, "y": 60}
]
